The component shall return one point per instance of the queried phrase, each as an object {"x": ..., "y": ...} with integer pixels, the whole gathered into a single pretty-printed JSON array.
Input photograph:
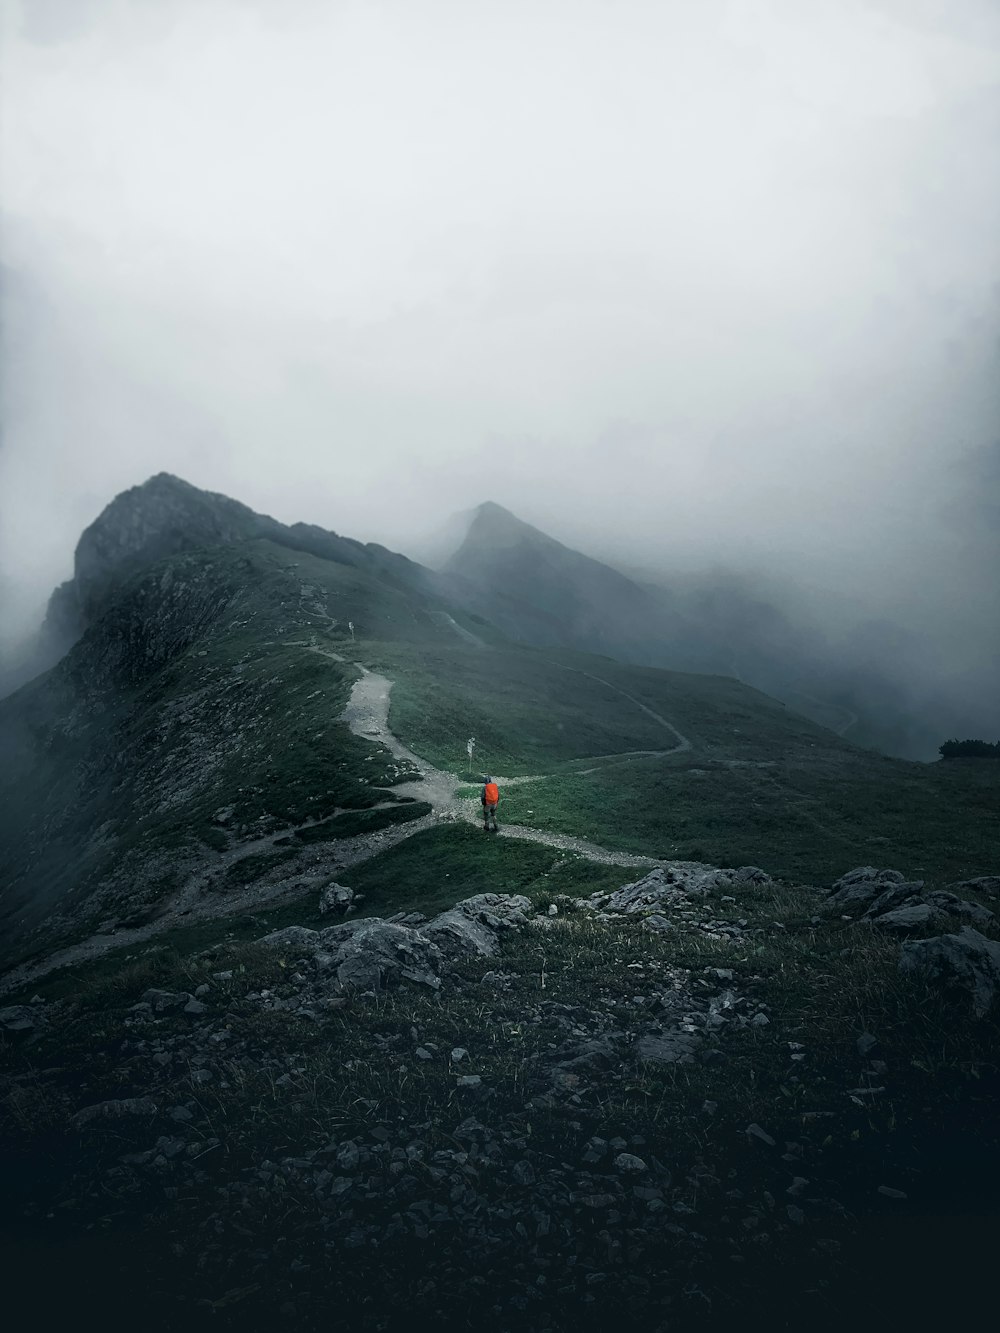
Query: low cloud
[{"x": 686, "y": 285}]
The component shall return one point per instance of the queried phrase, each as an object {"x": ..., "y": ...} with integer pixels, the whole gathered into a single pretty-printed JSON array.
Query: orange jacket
[{"x": 491, "y": 794}]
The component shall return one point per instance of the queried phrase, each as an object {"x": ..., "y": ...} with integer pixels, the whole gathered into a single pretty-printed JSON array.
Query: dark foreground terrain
[
  {"x": 286, "y": 1041},
  {"x": 704, "y": 1101}
]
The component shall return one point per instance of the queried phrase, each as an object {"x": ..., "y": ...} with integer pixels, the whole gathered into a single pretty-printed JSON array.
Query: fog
[{"x": 688, "y": 285}]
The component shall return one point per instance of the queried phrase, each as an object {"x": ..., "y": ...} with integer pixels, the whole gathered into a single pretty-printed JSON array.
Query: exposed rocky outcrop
[
  {"x": 967, "y": 962},
  {"x": 891, "y": 903},
  {"x": 676, "y": 882},
  {"x": 373, "y": 954},
  {"x": 858, "y": 889},
  {"x": 474, "y": 925}
]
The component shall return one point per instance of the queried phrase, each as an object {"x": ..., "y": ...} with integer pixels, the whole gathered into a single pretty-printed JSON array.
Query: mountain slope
[
  {"x": 544, "y": 593},
  {"x": 538, "y": 590},
  {"x": 193, "y": 736},
  {"x": 166, "y": 516}
]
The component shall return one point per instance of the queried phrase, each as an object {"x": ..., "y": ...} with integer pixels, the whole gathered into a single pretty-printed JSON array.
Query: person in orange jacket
[{"x": 489, "y": 798}]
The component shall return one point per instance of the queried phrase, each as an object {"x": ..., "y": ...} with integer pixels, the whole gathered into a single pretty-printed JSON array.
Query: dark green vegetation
[
  {"x": 969, "y": 750},
  {"x": 805, "y": 818},
  {"x": 200, "y": 712},
  {"x": 761, "y": 784},
  {"x": 525, "y": 711},
  {"x": 200, "y": 1246},
  {"x": 433, "y": 869},
  {"x": 192, "y": 740}
]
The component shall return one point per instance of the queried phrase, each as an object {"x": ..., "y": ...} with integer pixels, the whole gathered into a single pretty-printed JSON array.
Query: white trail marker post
[{"x": 470, "y": 745}]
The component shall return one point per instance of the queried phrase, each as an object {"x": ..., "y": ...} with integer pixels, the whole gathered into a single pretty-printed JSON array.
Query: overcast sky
[{"x": 683, "y": 282}]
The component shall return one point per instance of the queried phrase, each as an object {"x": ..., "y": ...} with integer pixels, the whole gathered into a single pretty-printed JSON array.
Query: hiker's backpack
[{"x": 491, "y": 793}]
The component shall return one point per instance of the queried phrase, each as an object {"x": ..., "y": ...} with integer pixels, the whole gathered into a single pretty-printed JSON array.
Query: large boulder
[
  {"x": 968, "y": 962},
  {"x": 858, "y": 889},
  {"x": 985, "y": 884},
  {"x": 667, "y": 1048},
  {"x": 118, "y": 1109},
  {"x": 670, "y": 884},
  {"x": 336, "y": 898},
  {"x": 474, "y": 925},
  {"x": 910, "y": 919},
  {"x": 898, "y": 895},
  {"x": 579, "y": 1062},
  {"x": 373, "y": 955},
  {"x": 18, "y": 1018},
  {"x": 295, "y": 939},
  {"x": 974, "y": 913}
]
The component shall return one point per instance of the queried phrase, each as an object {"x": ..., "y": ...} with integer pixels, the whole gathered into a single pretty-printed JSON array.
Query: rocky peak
[
  {"x": 493, "y": 528},
  {"x": 161, "y": 517}
]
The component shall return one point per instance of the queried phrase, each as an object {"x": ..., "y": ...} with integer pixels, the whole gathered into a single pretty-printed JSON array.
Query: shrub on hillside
[{"x": 969, "y": 749}]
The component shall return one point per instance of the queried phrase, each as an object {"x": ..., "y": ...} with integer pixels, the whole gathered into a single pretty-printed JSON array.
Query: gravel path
[{"x": 367, "y": 715}]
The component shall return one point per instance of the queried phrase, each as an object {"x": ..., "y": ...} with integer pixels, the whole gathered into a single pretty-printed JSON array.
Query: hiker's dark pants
[{"x": 489, "y": 812}]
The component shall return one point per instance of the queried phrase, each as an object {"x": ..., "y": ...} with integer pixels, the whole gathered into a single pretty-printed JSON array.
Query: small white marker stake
[{"x": 470, "y": 745}]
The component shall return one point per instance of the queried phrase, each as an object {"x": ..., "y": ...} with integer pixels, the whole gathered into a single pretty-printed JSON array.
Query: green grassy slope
[
  {"x": 761, "y": 784},
  {"x": 192, "y": 716},
  {"x": 196, "y": 716}
]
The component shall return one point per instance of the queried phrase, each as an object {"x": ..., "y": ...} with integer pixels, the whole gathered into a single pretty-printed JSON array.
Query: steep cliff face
[
  {"x": 180, "y": 699},
  {"x": 162, "y": 517},
  {"x": 166, "y": 516}
]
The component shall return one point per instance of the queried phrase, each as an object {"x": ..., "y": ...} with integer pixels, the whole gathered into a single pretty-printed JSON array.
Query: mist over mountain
[
  {"x": 872, "y": 683},
  {"x": 245, "y": 904}
]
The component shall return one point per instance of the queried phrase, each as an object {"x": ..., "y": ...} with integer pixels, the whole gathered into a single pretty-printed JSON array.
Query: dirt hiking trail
[{"x": 367, "y": 716}]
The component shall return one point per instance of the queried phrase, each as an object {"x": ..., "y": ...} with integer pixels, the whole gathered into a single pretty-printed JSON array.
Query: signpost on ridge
[{"x": 470, "y": 745}]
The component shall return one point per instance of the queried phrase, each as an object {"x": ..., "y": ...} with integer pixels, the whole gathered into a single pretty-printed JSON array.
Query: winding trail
[
  {"x": 367, "y": 715},
  {"x": 843, "y": 727}
]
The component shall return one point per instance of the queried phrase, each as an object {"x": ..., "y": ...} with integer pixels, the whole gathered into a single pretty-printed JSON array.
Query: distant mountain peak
[{"x": 495, "y": 527}]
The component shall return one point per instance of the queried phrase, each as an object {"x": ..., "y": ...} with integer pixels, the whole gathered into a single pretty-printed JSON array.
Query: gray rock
[
  {"x": 869, "y": 875},
  {"x": 472, "y": 926},
  {"x": 985, "y": 884},
  {"x": 164, "y": 1001},
  {"x": 199, "y": 1077},
  {"x": 897, "y": 896},
  {"x": 18, "y": 1018},
  {"x": 469, "y": 1080},
  {"x": 865, "y": 1043},
  {"x": 751, "y": 875},
  {"x": 372, "y": 955},
  {"x": 578, "y": 1061},
  {"x": 668, "y": 886},
  {"x": 631, "y": 1165},
  {"x": 299, "y": 939},
  {"x": 909, "y": 920},
  {"x": 336, "y": 898},
  {"x": 523, "y": 1173},
  {"x": 967, "y": 962},
  {"x": 658, "y": 924},
  {"x": 195, "y": 1007},
  {"x": 974, "y": 913},
  {"x": 458, "y": 1053},
  {"x": 117, "y": 1109},
  {"x": 667, "y": 1048},
  {"x": 859, "y": 888},
  {"x": 754, "y": 1131}
]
